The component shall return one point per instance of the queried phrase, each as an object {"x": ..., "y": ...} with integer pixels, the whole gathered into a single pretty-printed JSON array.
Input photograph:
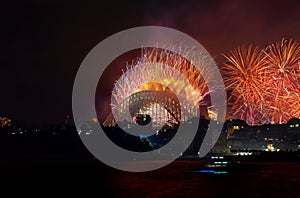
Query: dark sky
[{"x": 44, "y": 42}]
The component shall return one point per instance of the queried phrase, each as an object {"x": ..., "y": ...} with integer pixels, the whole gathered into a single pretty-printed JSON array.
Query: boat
[{"x": 229, "y": 164}]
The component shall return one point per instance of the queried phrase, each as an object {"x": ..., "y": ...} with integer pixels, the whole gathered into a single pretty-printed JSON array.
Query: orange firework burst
[
  {"x": 283, "y": 59},
  {"x": 264, "y": 84},
  {"x": 244, "y": 75}
]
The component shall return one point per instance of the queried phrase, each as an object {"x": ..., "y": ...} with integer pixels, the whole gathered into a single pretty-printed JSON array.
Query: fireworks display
[
  {"x": 264, "y": 84},
  {"x": 163, "y": 70}
]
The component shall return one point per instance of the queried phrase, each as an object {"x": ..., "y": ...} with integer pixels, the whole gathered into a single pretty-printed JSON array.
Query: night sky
[{"x": 44, "y": 42}]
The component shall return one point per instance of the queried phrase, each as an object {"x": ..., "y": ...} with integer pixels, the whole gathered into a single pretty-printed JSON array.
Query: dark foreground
[
  {"x": 90, "y": 178},
  {"x": 56, "y": 166}
]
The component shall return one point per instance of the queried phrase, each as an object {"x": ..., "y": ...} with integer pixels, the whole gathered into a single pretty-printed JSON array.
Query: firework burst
[
  {"x": 244, "y": 73},
  {"x": 161, "y": 70},
  {"x": 264, "y": 84},
  {"x": 283, "y": 85},
  {"x": 166, "y": 67}
]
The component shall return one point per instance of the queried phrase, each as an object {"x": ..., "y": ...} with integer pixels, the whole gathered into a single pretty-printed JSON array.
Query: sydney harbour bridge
[
  {"x": 163, "y": 86},
  {"x": 162, "y": 106}
]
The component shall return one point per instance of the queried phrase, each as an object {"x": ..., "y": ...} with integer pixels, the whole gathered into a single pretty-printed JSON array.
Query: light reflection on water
[{"x": 182, "y": 178}]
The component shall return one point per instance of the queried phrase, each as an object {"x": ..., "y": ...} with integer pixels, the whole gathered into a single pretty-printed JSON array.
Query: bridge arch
[{"x": 159, "y": 103}]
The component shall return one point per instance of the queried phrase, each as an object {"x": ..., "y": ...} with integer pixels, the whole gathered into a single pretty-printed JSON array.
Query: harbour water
[{"x": 180, "y": 178}]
